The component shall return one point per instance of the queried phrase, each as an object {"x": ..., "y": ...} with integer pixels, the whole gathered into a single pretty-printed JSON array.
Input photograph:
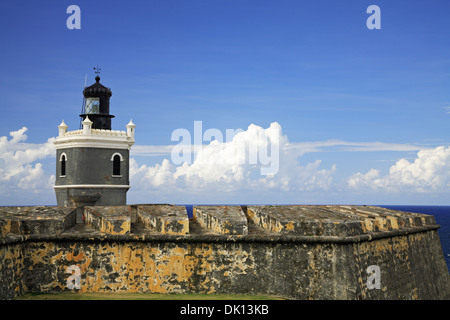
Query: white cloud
[
  {"x": 447, "y": 109},
  {"x": 19, "y": 170},
  {"x": 226, "y": 171},
  {"x": 340, "y": 145},
  {"x": 219, "y": 167},
  {"x": 429, "y": 172},
  {"x": 300, "y": 147},
  {"x": 146, "y": 150},
  {"x": 231, "y": 166}
]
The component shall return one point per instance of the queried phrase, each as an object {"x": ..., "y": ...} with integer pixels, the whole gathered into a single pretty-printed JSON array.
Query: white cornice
[{"x": 93, "y": 141}]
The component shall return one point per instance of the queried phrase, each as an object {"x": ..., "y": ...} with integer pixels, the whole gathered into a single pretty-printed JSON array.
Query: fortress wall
[
  {"x": 316, "y": 266},
  {"x": 12, "y": 269},
  {"x": 410, "y": 265}
]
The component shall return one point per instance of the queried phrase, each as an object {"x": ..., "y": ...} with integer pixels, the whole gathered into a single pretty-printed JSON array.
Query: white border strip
[{"x": 92, "y": 186}]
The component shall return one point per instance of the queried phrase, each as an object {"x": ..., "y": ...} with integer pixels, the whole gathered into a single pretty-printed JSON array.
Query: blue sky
[{"x": 366, "y": 111}]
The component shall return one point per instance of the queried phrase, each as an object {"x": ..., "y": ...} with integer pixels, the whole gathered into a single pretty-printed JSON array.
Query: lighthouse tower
[{"x": 92, "y": 163}]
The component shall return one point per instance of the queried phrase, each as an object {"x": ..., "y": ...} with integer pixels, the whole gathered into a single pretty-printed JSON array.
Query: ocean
[{"x": 440, "y": 213}]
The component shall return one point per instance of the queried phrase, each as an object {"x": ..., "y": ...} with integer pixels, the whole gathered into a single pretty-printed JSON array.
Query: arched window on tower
[
  {"x": 116, "y": 165},
  {"x": 63, "y": 161}
]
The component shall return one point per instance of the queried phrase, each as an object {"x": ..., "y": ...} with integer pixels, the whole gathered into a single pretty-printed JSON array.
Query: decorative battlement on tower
[
  {"x": 102, "y": 132},
  {"x": 88, "y": 137}
]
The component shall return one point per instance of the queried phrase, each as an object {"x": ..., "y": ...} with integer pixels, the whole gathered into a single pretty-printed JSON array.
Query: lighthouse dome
[{"x": 97, "y": 90}]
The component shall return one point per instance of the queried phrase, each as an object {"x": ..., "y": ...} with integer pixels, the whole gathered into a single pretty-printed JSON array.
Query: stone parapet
[
  {"x": 109, "y": 220},
  {"x": 165, "y": 219},
  {"x": 321, "y": 223},
  {"x": 229, "y": 220},
  {"x": 36, "y": 220},
  {"x": 340, "y": 221}
]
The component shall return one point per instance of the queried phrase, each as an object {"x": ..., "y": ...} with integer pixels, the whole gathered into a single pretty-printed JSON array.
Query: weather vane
[{"x": 97, "y": 70}]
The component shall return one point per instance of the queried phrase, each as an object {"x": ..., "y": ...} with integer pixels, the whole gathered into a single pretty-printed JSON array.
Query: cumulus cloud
[
  {"x": 256, "y": 158},
  {"x": 19, "y": 169},
  {"x": 258, "y": 162},
  {"x": 429, "y": 172}
]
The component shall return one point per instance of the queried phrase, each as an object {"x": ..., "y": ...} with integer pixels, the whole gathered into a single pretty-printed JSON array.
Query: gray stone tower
[{"x": 92, "y": 164}]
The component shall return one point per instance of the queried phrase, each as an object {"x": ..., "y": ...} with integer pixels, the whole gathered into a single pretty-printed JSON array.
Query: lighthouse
[{"x": 92, "y": 163}]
